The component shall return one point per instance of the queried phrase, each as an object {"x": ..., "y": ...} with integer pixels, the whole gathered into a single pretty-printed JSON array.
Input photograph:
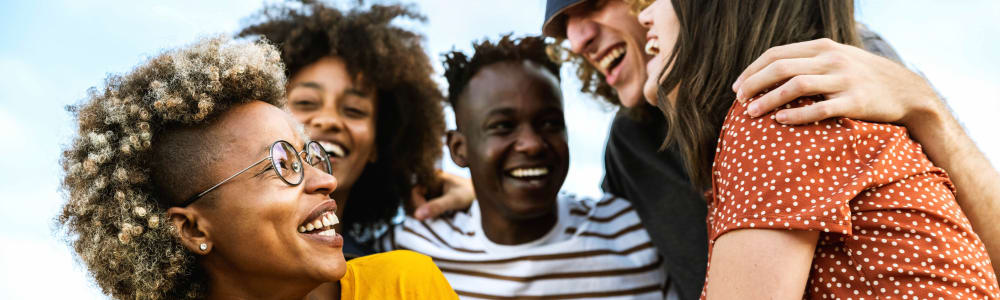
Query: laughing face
[
  {"x": 512, "y": 137},
  {"x": 339, "y": 114},
  {"x": 253, "y": 224},
  {"x": 608, "y": 36},
  {"x": 664, "y": 28}
]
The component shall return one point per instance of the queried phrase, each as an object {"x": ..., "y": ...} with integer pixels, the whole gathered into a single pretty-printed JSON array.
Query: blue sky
[{"x": 52, "y": 51}]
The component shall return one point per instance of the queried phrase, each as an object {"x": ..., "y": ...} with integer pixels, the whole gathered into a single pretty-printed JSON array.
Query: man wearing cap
[{"x": 605, "y": 39}]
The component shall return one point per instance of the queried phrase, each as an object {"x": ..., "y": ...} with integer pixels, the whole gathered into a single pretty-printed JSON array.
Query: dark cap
[{"x": 555, "y": 17}]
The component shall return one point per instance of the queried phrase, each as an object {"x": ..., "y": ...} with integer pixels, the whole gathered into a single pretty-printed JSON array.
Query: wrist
[{"x": 927, "y": 116}]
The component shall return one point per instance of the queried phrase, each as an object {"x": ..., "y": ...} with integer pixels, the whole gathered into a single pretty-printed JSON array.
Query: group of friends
[{"x": 298, "y": 160}]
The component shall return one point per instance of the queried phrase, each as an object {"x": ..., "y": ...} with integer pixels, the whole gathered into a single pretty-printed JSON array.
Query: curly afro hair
[
  {"x": 459, "y": 68},
  {"x": 115, "y": 218},
  {"x": 392, "y": 61}
]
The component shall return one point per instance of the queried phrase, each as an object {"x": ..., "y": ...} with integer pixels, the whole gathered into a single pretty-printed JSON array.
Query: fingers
[
  {"x": 417, "y": 199},
  {"x": 436, "y": 206},
  {"x": 798, "y": 86},
  {"x": 813, "y": 113},
  {"x": 795, "y": 50},
  {"x": 777, "y": 72},
  {"x": 458, "y": 194}
]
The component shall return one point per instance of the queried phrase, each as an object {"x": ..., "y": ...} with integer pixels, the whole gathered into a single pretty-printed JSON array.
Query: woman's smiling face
[
  {"x": 340, "y": 113},
  {"x": 252, "y": 221},
  {"x": 664, "y": 28}
]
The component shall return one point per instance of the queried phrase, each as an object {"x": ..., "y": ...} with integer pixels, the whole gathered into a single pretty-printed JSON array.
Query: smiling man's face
[
  {"x": 512, "y": 136},
  {"x": 610, "y": 38}
]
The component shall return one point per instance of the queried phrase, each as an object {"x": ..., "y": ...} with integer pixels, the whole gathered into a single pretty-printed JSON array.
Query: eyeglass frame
[{"x": 270, "y": 156}]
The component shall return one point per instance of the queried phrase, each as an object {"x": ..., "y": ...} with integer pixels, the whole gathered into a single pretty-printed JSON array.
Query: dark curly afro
[
  {"x": 459, "y": 68},
  {"x": 392, "y": 61}
]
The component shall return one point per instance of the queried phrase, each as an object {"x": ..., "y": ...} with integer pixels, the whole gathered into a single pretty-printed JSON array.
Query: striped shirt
[{"x": 597, "y": 249}]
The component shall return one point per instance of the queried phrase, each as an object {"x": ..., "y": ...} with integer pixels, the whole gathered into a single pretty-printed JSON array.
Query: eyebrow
[
  {"x": 348, "y": 91},
  {"x": 504, "y": 111}
]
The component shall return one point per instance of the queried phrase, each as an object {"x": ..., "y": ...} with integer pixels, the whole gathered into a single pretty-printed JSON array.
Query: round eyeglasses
[{"x": 286, "y": 163}]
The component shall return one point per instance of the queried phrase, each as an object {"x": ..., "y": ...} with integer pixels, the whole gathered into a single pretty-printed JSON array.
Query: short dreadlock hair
[
  {"x": 392, "y": 61},
  {"x": 459, "y": 68},
  {"x": 116, "y": 179}
]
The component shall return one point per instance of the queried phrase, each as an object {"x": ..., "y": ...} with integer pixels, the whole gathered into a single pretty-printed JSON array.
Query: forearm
[{"x": 976, "y": 181}]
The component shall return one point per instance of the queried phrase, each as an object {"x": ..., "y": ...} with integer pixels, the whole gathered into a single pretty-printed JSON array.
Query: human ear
[
  {"x": 191, "y": 228},
  {"x": 456, "y": 145}
]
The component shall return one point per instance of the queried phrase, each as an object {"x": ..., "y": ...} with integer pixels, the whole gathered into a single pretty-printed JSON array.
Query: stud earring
[{"x": 203, "y": 246}]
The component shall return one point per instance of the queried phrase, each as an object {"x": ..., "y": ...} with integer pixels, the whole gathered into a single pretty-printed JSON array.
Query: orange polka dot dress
[{"x": 890, "y": 226}]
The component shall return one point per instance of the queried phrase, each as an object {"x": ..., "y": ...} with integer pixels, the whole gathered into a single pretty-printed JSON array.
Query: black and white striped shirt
[{"x": 597, "y": 249}]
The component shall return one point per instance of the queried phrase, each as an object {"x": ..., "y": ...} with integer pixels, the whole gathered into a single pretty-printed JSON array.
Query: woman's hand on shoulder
[
  {"x": 856, "y": 83},
  {"x": 457, "y": 194}
]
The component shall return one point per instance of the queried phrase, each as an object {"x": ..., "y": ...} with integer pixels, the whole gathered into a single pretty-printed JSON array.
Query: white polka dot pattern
[{"x": 890, "y": 226}]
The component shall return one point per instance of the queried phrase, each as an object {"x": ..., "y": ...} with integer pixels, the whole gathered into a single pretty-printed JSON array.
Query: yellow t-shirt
[{"x": 397, "y": 274}]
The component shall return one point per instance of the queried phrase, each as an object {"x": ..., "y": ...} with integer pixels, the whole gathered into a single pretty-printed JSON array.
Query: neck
[
  {"x": 513, "y": 230},
  {"x": 233, "y": 284}
]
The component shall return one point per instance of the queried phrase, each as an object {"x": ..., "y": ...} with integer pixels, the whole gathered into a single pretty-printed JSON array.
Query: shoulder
[
  {"x": 397, "y": 274},
  {"x": 398, "y": 259},
  {"x": 609, "y": 216}
]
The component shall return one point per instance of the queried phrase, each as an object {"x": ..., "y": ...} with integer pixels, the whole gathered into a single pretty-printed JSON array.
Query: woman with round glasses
[
  {"x": 187, "y": 180},
  {"x": 363, "y": 88}
]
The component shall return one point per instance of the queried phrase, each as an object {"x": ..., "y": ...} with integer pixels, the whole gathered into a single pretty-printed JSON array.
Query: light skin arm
[
  {"x": 761, "y": 264},
  {"x": 457, "y": 194},
  {"x": 861, "y": 85}
]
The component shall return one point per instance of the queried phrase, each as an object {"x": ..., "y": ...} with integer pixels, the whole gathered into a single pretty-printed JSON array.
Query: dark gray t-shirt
[{"x": 671, "y": 210}]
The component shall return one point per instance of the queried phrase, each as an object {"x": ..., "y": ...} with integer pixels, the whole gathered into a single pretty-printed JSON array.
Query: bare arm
[
  {"x": 761, "y": 264},
  {"x": 864, "y": 86},
  {"x": 976, "y": 181}
]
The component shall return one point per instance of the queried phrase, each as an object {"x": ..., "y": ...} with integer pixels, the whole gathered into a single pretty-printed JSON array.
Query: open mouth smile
[
  {"x": 319, "y": 226},
  {"x": 334, "y": 149},
  {"x": 528, "y": 173},
  {"x": 612, "y": 58}
]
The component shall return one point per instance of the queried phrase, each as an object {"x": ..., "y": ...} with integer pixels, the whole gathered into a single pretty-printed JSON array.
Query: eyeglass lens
[
  {"x": 317, "y": 157},
  {"x": 286, "y": 162}
]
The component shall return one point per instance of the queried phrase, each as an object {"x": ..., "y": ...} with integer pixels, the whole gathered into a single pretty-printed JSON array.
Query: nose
[
  {"x": 646, "y": 17},
  {"x": 319, "y": 182},
  {"x": 327, "y": 119},
  {"x": 581, "y": 33},
  {"x": 529, "y": 142}
]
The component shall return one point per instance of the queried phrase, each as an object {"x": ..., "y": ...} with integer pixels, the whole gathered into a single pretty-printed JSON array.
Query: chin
[
  {"x": 532, "y": 207},
  {"x": 632, "y": 95}
]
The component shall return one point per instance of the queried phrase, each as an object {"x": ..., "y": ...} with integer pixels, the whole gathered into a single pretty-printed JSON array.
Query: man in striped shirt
[{"x": 521, "y": 238}]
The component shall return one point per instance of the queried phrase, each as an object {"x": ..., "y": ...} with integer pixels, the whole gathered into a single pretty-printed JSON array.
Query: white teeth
[
  {"x": 325, "y": 221},
  {"x": 610, "y": 57},
  {"x": 334, "y": 149},
  {"x": 529, "y": 172},
  {"x": 328, "y": 232},
  {"x": 653, "y": 46}
]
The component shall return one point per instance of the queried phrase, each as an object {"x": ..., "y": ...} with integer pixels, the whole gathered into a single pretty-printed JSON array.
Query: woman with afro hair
[
  {"x": 363, "y": 88},
  {"x": 187, "y": 180}
]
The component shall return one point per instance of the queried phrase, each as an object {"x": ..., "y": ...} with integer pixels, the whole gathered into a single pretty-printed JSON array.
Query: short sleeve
[
  {"x": 774, "y": 176},
  {"x": 396, "y": 274}
]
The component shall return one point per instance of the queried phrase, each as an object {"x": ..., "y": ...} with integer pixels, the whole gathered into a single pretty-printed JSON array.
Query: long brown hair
[{"x": 717, "y": 40}]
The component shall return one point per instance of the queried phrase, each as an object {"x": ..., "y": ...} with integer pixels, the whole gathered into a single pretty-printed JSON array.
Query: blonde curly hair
[{"x": 115, "y": 217}]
